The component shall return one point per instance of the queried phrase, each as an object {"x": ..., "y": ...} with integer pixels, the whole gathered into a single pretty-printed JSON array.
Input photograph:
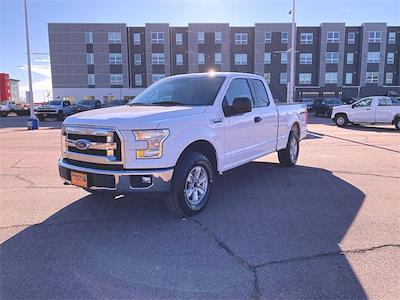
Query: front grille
[
  {"x": 46, "y": 111},
  {"x": 93, "y": 145}
]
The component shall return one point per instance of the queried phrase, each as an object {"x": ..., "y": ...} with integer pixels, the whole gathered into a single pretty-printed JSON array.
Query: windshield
[
  {"x": 333, "y": 102},
  {"x": 86, "y": 102},
  {"x": 55, "y": 102},
  {"x": 191, "y": 91}
]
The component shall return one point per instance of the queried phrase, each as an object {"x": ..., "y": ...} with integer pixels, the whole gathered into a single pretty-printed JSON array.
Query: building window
[
  {"x": 114, "y": 37},
  {"x": 218, "y": 58},
  {"x": 372, "y": 77},
  {"x": 240, "y": 38},
  {"x": 283, "y": 78},
  {"x": 179, "y": 38},
  {"x": 351, "y": 37},
  {"x": 157, "y": 77},
  {"x": 137, "y": 59},
  {"x": 332, "y": 57},
  {"x": 200, "y": 37},
  {"x": 333, "y": 37},
  {"x": 89, "y": 58},
  {"x": 373, "y": 57},
  {"x": 306, "y": 38},
  {"x": 267, "y": 37},
  {"x": 389, "y": 78},
  {"x": 89, "y": 37},
  {"x": 201, "y": 58},
  {"x": 218, "y": 38},
  {"x": 392, "y": 37},
  {"x": 115, "y": 58},
  {"x": 390, "y": 58},
  {"x": 136, "y": 38},
  {"x": 138, "y": 79},
  {"x": 116, "y": 79},
  {"x": 305, "y": 58},
  {"x": 267, "y": 58},
  {"x": 91, "y": 79},
  {"x": 350, "y": 58},
  {"x": 267, "y": 77},
  {"x": 157, "y": 37},
  {"x": 179, "y": 59},
  {"x": 284, "y": 37},
  {"x": 374, "y": 37},
  {"x": 240, "y": 59},
  {"x": 158, "y": 58},
  {"x": 349, "y": 78},
  {"x": 331, "y": 77},
  {"x": 304, "y": 78},
  {"x": 284, "y": 58}
]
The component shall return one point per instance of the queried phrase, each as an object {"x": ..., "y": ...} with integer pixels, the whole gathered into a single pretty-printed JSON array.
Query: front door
[
  {"x": 244, "y": 133},
  {"x": 362, "y": 111}
]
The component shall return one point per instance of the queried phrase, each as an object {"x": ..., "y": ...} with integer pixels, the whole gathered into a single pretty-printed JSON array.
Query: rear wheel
[
  {"x": 288, "y": 156},
  {"x": 191, "y": 185},
  {"x": 341, "y": 120}
]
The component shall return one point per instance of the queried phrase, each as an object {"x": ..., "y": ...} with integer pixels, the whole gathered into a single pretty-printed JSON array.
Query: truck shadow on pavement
[{"x": 267, "y": 232}]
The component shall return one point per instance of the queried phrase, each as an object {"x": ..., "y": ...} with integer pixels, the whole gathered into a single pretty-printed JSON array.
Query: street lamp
[
  {"x": 32, "y": 122},
  {"x": 291, "y": 84}
]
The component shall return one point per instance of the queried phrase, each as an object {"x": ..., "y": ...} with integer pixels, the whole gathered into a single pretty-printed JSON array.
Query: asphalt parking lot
[{"x": 328, "y": 228}]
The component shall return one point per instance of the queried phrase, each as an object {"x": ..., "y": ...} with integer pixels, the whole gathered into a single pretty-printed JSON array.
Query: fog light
[
  {"x": 146, "y": 180},
  {"x": 141, "y": 181}
]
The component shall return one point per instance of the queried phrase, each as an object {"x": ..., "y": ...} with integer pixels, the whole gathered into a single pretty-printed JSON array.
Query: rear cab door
[{"x": 384, "y": 110}]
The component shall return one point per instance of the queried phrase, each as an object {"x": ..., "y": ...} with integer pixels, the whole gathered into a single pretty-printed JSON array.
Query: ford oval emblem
[{"x": 82, "y": 144}]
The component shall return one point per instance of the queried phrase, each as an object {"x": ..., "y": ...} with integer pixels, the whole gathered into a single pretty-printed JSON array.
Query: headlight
[{"x": 154, "y": 139}]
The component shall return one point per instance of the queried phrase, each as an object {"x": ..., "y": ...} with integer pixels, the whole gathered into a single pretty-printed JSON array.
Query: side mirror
[
  {"x": 353, "y": 105},
  {"x": 240, "y": 105}
]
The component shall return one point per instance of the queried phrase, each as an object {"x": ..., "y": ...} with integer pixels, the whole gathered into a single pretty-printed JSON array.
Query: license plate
[{"x": 79, "y": 179}]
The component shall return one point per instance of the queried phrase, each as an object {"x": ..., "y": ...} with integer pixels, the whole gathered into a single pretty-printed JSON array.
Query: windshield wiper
[{"x": 172, "y": 103}]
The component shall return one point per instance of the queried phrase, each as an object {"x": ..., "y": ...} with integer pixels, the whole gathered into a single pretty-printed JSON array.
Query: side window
[
  {"x": 364, "y": 102},
  {"x": 237, "y": 88},
  {"x": 261, "y": 96},
  {"x": 385, "y": 102}
]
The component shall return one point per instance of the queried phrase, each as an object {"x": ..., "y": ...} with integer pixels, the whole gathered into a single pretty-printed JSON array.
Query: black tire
[
  {"x": 284, "y": 155},
  {"x": 3, "y": 114},
  {"x": 177, "y": 201},
  {"x": 60, "y": 115},
  {"x": 397, "y": 123},
  {"x": 41, "y": 118},
  {"x": 326, "y": 114},
  {"x": 341, "y": 120},
  {"x": 316, "y": 113}
]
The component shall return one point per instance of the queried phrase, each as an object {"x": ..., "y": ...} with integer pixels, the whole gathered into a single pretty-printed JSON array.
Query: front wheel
[
  {"x": 397, "y": 123},
  {"x": 191, "y": 185},
  {"x": 288, "y": 156},
  {"x": 341, "y": 120}
]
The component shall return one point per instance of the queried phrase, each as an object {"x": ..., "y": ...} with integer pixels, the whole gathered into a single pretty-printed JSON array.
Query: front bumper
[{"x": 126, "y": 181}]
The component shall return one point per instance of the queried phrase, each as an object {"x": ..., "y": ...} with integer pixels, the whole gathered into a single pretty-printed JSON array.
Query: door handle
[
  {"x": 367, "y": 109},
  {"x": 257, "y": 119}
]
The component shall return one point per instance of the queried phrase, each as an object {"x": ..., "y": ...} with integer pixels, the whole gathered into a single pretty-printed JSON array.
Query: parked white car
[
  {"x": 54, "y": 109},
  {"x": 177, "y": 134},
  {"x": 369, "y": 110}
]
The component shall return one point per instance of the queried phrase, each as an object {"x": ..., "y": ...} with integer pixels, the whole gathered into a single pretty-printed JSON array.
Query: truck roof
[{"x": 227, "y": 74}]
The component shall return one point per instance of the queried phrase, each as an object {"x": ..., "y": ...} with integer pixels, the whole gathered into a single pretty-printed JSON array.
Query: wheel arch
[{"x": 204, "y": 147}]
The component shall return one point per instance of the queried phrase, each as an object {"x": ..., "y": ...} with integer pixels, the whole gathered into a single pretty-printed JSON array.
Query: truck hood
[{"x": 133, "y": 117}]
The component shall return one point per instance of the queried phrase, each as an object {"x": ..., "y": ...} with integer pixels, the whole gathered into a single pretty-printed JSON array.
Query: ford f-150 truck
[
  {"x": 177, "y": 135},
  {"x": 369, "y": 110}
]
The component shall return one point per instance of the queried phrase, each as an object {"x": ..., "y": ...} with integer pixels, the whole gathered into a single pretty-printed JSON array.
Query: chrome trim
[
  {"x": 108, "y": 146},
  {"x": 161, "y": 178}
]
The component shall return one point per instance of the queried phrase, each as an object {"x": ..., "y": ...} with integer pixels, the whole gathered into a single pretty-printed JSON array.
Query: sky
[{"x": 175, "y": 12}]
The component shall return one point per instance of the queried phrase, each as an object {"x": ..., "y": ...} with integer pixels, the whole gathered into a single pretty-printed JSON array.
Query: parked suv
[
  {"x": 324, "y": 106},
  {"x": 85, "y": 105},
  {"x": 309, "y": 102}
]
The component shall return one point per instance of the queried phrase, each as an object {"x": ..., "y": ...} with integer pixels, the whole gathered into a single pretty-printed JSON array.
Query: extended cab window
[
  {"x": 261, "y": 96},
  {"x": 364, "y": 102},
  {"x": 385, "y": 102},
  {"x": 237, "y": 88}
]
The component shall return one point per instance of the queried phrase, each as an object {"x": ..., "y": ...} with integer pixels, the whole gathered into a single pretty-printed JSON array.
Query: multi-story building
[
  {"x": 332, "y": 60},
  {"x": 14, "y": 90},
  {"x": 5, "y": 93}
]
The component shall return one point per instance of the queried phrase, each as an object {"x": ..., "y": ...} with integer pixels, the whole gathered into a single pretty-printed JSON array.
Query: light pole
[
  {"x": 291, "y": 84},
  {"x": 32, "y": 123}
]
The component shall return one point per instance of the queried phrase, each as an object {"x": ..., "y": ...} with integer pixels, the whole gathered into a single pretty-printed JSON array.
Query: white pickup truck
[
  {"x": 369, "y": 110},
  {"x": 54, "y": 109},
  {"x": 177, "y": 134}
]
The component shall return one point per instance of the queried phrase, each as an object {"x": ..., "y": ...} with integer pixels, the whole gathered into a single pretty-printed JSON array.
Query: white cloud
[{"x": 42, "y": 87}]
